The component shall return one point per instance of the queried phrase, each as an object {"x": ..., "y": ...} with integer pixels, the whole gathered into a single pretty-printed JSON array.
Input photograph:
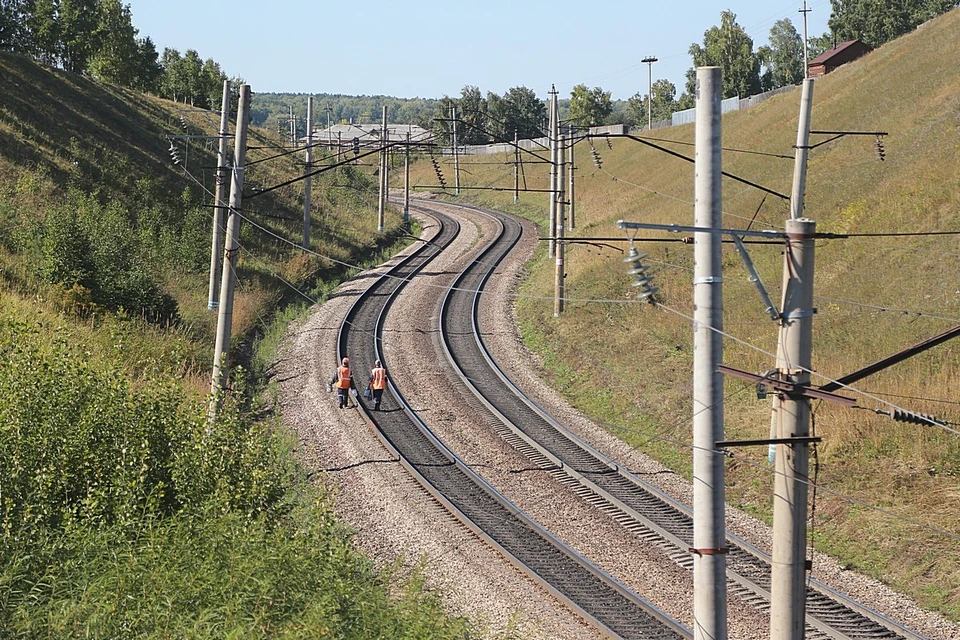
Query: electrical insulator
[
  {"x": 878, "y": 145},
  {"x": 642, "y": 279},
  {"x": 174, "y": 154},
  {"x": 901, "y": 415},
  {"x": 596, "y": 158},
  {"x": 609, "y": 144}
]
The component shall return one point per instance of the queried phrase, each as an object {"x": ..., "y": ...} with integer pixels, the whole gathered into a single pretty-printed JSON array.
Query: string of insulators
[
  {"x": 911, "y": 417},
  {"x": 642, "y": 279},
  {"x": 174, "y": 154},
  {"x": 878, "y": 146},
  {"x": 596, "y": 158}
]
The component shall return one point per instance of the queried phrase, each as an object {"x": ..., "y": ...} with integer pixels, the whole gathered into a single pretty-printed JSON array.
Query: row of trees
[
  {"x": 491, "y": 118},
  {"x": 745, "y": 72},
  {"x": 97, "y": 38}
]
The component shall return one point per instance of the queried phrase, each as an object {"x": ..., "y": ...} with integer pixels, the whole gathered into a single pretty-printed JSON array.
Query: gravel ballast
[{"x": 395, "y": 518}]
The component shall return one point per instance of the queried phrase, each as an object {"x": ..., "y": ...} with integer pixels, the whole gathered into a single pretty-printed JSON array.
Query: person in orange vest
[
  {"x": 378, "y": 382},
  {"x": 343, "y": 381}
]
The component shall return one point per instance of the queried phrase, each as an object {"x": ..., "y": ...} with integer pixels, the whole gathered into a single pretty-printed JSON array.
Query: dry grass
[{"x": 640, "y": 356}]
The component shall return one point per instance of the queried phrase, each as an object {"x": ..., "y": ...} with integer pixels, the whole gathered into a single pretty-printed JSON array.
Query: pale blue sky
[{"x": 429, "y": 48}]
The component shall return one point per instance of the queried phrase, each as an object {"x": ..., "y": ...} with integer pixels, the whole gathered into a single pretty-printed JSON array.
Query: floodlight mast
[{"x": 649, "y": 60}]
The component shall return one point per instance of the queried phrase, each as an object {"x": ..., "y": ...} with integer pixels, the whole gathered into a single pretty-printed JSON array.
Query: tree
[
  {"x": 80, "y": 38},
  {"x": 43, "y": 23},
  {"x": 116, "y": 60},
  {"x": 472, "y": 113},
  {"x": 664, "y": 103},
  {"x": 173, "y": 83},
  {"x": 14, "y": 31},
  {"x": 730, "y": 48},
  {"x": 518, "y": 110},
  {"x": 589, "y": 107},
  {"x": 193, "y": 73},
  {"x": 211, "y": 81},
  {"x": 442, "y": 127},
  {"x": 876, "y": 22},
  {"x": 783, "y": 58},
  {"x": 148, "y": 67}
]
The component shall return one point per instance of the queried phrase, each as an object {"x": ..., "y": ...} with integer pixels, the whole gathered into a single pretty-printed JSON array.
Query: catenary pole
[
  {"x": 382, "y": 201},
  {"x": 803, "y": 142},
  {"x": 791, "y": 416},
  {"x": 709, "y": 562},
  {"x": 219, "y": 201},
  {"x": 558, "y": 232},
  {"x": 552, "y": 142},
  {"x": 230, "y": 252},
  {"x": 308, "y": 169},
  {"x": 788, "y": 566},
  {"x": 406, "y": 179},
  {"x": 456, "y": 153},
  {"x": 571, "y": 215},
  {"x": 516, "y": 165}
]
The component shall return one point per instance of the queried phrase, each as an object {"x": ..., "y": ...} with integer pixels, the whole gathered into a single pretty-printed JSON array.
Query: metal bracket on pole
[
  {"x": 722, "y": 444},
  {"x": 677, "y": 228},
  {"x": 755, "y": 278},
  {"x": 789, "y": 388}
]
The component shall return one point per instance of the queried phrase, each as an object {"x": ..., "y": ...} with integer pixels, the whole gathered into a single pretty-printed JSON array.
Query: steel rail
[
  {"x": 639, "y": 504},
  {"x": 602, "y": 601}
]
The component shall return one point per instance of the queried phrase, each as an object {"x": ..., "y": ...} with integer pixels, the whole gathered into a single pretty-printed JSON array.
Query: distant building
[
  {"x": 368, "y": 135},
  {"x": 842, "y": 54}
]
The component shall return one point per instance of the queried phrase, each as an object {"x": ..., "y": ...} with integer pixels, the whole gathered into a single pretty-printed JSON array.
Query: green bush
[{"x": 125, "y": 513}]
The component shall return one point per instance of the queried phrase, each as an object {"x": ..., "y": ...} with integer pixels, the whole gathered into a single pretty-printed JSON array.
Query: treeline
[{"x": 97, "y": 38}]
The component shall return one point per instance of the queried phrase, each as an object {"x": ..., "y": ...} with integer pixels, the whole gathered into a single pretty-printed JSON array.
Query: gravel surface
[{"x": 395, "y": 518}]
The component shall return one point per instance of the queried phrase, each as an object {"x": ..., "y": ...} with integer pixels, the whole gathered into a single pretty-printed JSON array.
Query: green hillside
[
  {"x": 123, "y": 511},
  {"x": 628, "y": 364}
]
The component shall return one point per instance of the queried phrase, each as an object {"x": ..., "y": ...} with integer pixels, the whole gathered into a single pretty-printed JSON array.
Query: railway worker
[
  {"x": 378, "y": 382},
  {"x": 343, "y": 381}
]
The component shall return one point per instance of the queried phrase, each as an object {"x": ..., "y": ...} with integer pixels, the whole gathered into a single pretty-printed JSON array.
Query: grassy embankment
[
  {"x": 628, "y": 364},
  {"x": 122, "y": 513}
]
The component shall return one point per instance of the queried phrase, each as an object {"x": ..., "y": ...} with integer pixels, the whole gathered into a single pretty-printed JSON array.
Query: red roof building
[{"x": 842, "y": 54}]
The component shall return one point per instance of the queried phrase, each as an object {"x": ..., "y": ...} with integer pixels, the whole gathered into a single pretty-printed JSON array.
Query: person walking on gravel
[
  {"x": 343, "y": 381},
  {"x": 378, "y": 382}
]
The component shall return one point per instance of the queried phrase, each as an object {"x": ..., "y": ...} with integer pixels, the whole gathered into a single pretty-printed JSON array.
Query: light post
[{"x": 649, "y": 60}]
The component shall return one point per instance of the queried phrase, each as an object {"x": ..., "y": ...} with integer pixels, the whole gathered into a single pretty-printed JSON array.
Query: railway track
[
  {"x": 634, "y": 503},
  {"x": 604, "y": 602}
]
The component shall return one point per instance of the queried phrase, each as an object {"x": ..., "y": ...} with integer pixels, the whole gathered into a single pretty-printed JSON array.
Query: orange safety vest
[
  {"x": 378, "y": 378},
  {"x": 343, "y": 378}
]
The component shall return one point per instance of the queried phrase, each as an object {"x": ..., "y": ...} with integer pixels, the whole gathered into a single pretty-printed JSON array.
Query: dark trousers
[
  {"x": 377, "y": 397},
  {"x": 343, "y": 397}
]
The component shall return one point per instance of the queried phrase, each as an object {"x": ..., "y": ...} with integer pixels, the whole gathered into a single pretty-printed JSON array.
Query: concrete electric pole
[
  {"x": 709, "y": 561},
  {"x": 307, "y": 169},
  {"x": 552, "y": 142},
  {"x": 516, "y": 165},
  {"x": 806, "y": 65},
  {"x": 231, "y": 248},
  {"x": 571, "y": 217},
  {"x": 791, "y": 415},
  {"x": 406, "y": 180},
  {"x": 456, "y": 153},
  {"x": 558, "y": 230},
  {"x": 382, "y": 202},
  {"x": 220, "y": 201}
]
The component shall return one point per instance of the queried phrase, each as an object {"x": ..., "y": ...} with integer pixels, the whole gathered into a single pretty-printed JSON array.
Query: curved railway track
[
  {"x": 607, "y": 604},
  {"x": 634, "y": 503}
]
